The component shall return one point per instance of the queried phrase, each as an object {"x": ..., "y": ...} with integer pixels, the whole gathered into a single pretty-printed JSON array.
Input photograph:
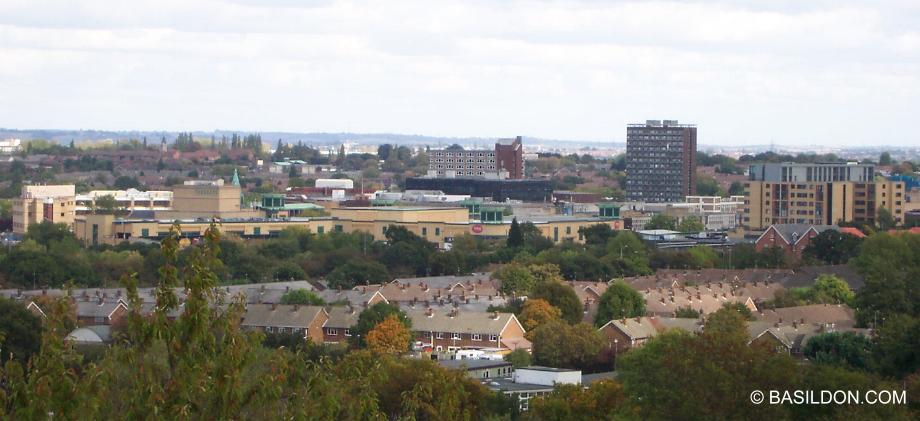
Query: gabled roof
[
  {"x": 460, "y": 321},
  {"x": 793, "y": 233},
  {"x": 634, "y": 328},
  {"x": 838, "y": 315},
  {"x": 94, "y": 309},
  {"x": 91, "y": 334},
  {"x": 852, "y": 231},
  {"x": 280, "y": 315},
  {"x": 342, "y": 317}
]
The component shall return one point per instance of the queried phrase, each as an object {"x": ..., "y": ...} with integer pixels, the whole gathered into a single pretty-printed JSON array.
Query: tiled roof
[
  {"x": 280, "y": 315},
  {"x": 838, "y": 315},
  {"x": 443, "y": 320}
]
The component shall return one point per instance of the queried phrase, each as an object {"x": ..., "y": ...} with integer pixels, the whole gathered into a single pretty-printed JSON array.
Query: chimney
[
  {"x": 101, "y": 301},
  {"x": 286, "y": 289},
  {"x": 274, "y": 306},
  {"x": 638, "y": 320},
  {"x": 429, "y": 312}
]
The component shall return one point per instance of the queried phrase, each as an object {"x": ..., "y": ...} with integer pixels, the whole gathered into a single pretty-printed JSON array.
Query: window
[
  {"x": 145, "y": 232},
  {"x": 477, "y": 337},
  {"x": 439, "y": 335},
  {"x": 424, "y": 232},
  {"x": 257, "y": 231},
  {"x": 333, "y": 332},
  {"x": 568, "y": 230},
  {"x": 320, "y": 229},
  {"x": 347, "y": 332},
  {"x": 437, "y": 231},
  {"x": 455, "y": 336},
  {"x": 338, "y": 228},
  {"x": 493, "y": 338}
]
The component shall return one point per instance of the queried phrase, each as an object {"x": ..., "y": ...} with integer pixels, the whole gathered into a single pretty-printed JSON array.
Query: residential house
[
  {"x": 836, "y": 316},
  {"x": 280, "y": 318},
  {"x": 339, "y": 324},
  {"x": 791, "y": 238},
  {"x": 624, "y": 334},
  {"x": 454, "y": 329},
  {"x": 99, "y": 312}
]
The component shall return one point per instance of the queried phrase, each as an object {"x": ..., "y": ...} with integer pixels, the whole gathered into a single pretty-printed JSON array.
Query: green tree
[
  {"x": 660, "y": 221},
  {"x": 519, "y": 358},
  {"x": 515, "y": 235},
  {"x": 358, "y": 272},
  {"x": 597, "y": 234},
  {"x": 125, "y": 182},
  {"x": 603, "y": 400},
  {"x": 20, "y": 331},
  {"x": 301, "y": 296},
  {"x": 831, "y": 289},
  {"x": 515, "y": 279},
  {"x": 691, "y": 224},
  {"x": 704, "y": 256},
  {"x": 884, "y": 158},
  {"x": 884, "y": 220},
  {"x": 896, "y": 343},
  {"x": 840, "y": 348},
  {"x": 686, "y": 313},
  {"x": 833, "y": 247},
  {"x": 373, "y": 316},
  {"x": 106, "y": 205},
  {"x": 557, "y": 344},
  {"x": 890, "y": 266},
  {"x": 620, "y": 300},
  {"x": 562, "y": 297}
]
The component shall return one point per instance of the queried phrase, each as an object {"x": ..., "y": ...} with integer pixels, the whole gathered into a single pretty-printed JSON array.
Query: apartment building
[
  {"x": 505, "y": 161},
  {"x": 37, "y": 204},
  {"x": 818, "y": 194},
  {"x": 660, "y": 161}
]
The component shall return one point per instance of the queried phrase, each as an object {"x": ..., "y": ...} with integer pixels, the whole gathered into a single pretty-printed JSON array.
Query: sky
[{"x": 828, "y": 73}]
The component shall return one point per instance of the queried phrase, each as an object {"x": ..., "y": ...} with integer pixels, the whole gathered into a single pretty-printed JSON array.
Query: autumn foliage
[{"x": 389, "y": 337}]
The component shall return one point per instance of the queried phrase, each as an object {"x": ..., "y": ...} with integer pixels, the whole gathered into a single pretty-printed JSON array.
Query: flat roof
[
  {"x": 473, "y": 364},
  {"x": 402, "y": 208},
  {"x": 505, "y": 384}
]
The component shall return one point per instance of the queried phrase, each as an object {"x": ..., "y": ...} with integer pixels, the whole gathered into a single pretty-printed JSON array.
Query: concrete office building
[
  {"x": 37, "y": 204},
  {"x": 505, "y": 161},
  {"x": 818, "y": 194},
  {"x": 660, "y": 161}
]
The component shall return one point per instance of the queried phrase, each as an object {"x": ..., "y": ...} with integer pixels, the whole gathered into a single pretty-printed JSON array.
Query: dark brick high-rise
[
  {"x": 509, "y": 154},
  {"x": 660, "y": 161}
]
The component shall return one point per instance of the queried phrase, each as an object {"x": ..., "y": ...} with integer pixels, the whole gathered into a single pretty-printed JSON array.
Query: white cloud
[{"x": 830, "y": 72}]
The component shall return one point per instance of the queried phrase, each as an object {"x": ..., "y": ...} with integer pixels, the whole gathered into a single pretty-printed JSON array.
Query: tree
[
  {"x": 125, "y": 182},
  {"x": 358, "y": 272},
  {"x": 832, "y": 247},
  {"x": 515, "y": 235},
  {"x": 832, "y": 290},
  {"x": 603, "y": 400},
  {"x": 302, "y": 297},
  {"x": 691, "y": 224},
  {"x": 557, "y": 344},
  {"x": 896, "y": 345},
  {"x": 518, "y": 358},
  {"x": 619, "y": 301},
  {"x": 890, "y": 266},
  {"x": 562, "y": 297},
  {"x": 884, "y": 219},
  {"x": 686, "y": 313},
  {"x": 515, "y": 279},
  {"x": 20, "y": 332},
  {"x": 660, "y": 221},
  {"x": 840, "y": 348},
  {"x": 537, "y": 312},
  {"x": 627, "y": 252},
  {"x": 105, "y": 205},
  {"x": 736, "y": 189},
  {"x": 704, "y": 256},
  {"x": 389, "y": 337},
  {"x": 374, "y": 315},
  {"x": 597, "y": 234},
  {"x": 884, "y": 158}
]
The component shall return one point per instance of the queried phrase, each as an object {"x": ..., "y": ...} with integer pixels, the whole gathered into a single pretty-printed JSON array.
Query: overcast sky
[{"x": 836, "y": 72}]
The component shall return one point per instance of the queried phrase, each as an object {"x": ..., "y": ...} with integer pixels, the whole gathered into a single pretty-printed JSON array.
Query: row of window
[{"x": 457, "y": 336}]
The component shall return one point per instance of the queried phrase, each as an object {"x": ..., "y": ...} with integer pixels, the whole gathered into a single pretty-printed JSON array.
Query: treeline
[{"x": 51, "y": 256}]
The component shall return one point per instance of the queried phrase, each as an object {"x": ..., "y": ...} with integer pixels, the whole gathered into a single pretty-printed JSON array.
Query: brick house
[
  {"x": 339, "y": 324},
  {"x": 791, "y": 238},
  {"x": 281, "y": 318},
  {"x": 453, "y": 329},
  {"x": 624, "y": 334},
  {"x": 99, "y": 312}
]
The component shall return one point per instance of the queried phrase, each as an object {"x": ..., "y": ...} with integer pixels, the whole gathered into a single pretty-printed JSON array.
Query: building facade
[
  {"x": 506, "y": 160},
  {"x": 819, "y": 194},
  {"x": 660, "y": 161},
  {"x": 37, "y": 204}
]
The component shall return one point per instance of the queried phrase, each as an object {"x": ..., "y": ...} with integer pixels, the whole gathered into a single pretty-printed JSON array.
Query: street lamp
[
  {"x": 621, "y": 250},
  {"x": 616, "y": 350}
]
